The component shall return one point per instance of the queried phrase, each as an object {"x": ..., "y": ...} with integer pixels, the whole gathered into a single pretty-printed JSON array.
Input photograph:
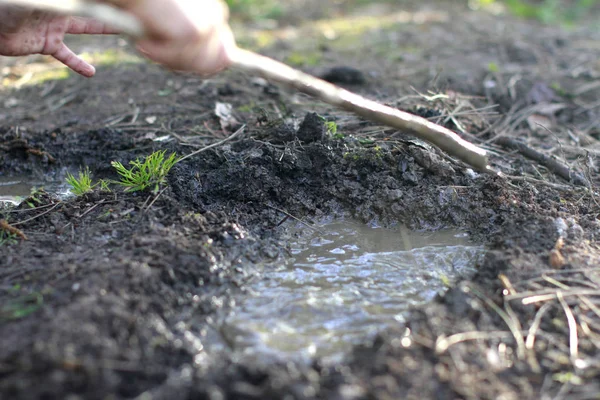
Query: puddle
[
  {"x": 343, "y": 286},
  {"x": 14, "y": 189}
]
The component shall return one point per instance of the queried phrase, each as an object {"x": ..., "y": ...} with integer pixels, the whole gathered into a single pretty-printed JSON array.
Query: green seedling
[
  {"x": 446, "y": 281},
  {"x": 332, "y": 128},
  {"x": 567, "y": 377},
  {"x": 106, "y": 214},
  {"x": 104, "y": 185},
  {"x": 152, "y": 171},
  {"x": 21, "y": 306},
  {"x": 33, "y": 201},
  {"x": 7, "y": 238},
  {"x": 493, "y": 67},
  {"x": 164, "y": 92},
  {"x": 82, "y": 184}
]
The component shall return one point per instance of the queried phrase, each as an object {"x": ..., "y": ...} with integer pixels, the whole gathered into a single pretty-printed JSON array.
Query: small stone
[{"x": 575, "y": 232}]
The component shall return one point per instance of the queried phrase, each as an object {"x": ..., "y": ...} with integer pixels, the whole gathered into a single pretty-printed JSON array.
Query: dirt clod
[
  {"x": 344, "y": 75},
  {"x": 312, "y": 128}
]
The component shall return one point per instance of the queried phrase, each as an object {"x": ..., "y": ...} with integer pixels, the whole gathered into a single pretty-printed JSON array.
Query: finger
[
  {"x": 183, "y": 58},
  {"x": 78, "y": 25},
  {"x": 205, "y": 56},
  {"x": 71, "y": 60},
  {"x": 215, "y": 55}
]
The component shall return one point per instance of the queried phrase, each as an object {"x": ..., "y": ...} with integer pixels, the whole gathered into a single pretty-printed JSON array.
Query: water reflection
[
  {"x": 14, "y": 189},
  {"x": 344, "y": 284}
]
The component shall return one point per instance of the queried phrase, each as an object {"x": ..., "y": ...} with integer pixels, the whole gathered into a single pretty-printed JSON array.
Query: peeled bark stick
[{"x": 272, "y": 70}]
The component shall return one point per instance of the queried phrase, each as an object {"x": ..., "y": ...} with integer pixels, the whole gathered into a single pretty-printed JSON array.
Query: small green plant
[
  {"x": 104, "y": 185},
  {"x": 34, "y": 198},
  {"x": 152, "y": 171},
  {"x": 446, "y": 281},
  {"x": 332, "y": 128},
  {"x": 21, "y": 306},
  {"x": 493, "y": 67},
  {"x": 82, "y": 184},
  {"x": 567, "y": 377},
  {"x": 7, "y": 238}
]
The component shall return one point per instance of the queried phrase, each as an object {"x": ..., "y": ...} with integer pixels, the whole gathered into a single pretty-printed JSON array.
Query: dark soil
[{"x": 113, "y": 294}]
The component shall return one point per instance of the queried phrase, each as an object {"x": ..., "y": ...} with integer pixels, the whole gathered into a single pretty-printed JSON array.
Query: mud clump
[
  {"x": 281, "y": 133},
  {"x": 344, "y": 75},
  {"x": 312, "y": 128}
]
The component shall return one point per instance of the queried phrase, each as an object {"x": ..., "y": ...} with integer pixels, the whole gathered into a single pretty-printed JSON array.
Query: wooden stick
[{"x": 272, "y": 70}]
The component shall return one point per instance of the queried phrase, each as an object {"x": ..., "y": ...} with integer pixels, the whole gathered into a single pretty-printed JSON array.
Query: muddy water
[
  {"x": 13, "y": 189},
  {"x": 345, "y": 283}
]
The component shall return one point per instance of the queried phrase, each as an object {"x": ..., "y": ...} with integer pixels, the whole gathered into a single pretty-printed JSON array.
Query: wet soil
[{"x": 113, "y": 294}]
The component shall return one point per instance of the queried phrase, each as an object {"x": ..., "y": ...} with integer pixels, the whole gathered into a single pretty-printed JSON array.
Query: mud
[{"x": 114, "y": 293}]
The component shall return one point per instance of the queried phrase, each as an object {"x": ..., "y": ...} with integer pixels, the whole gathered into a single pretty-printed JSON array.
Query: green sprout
[
  {"x": 152, "y": 171},
  {"x": 332, "y": 128},
  {"x": 21, "y": 306},
  {"x": 7, "y": 238},
  {"x": 104, "y": 185},
  {"x": 82, "y": 184},
  {"x": 33, "y": 200}
]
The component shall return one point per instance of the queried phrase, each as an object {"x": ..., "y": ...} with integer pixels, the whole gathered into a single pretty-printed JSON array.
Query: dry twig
[
  {"x": 509, "y": 319},
  {"x": 11, "y": 230},
  {"x": 552, "y": 164},
  {"x": 573, "y": 339},
  {"x": 38, "y": 215},
  {"x": 230, "y": 137},
  {"x": 530, "y": 340},
  {"x": 287, "y": 214}
]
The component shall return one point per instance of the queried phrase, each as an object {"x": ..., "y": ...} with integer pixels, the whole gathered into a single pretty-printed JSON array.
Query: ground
[{"x": 110, "y": 295}]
